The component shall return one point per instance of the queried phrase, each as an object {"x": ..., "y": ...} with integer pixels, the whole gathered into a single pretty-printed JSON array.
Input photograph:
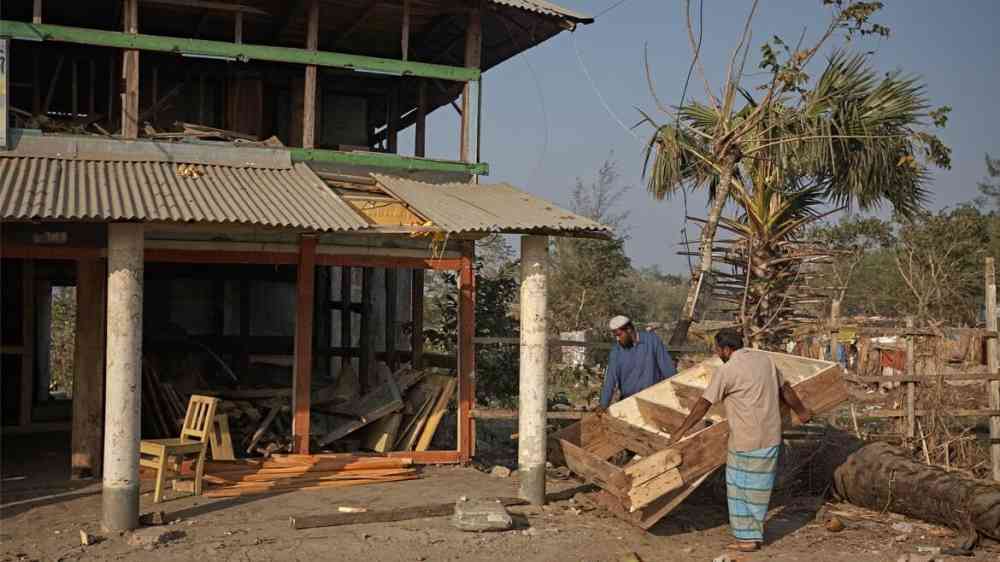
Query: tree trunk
[
  {"x": 679, "y": 335},
  {"x": 882, "y": 477}
]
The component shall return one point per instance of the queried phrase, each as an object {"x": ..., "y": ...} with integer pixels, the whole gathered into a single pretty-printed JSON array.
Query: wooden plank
[
  {"x": 466, "y": 349},
  {"x": 658, "y": 415},
  {"x": 496, "y": 414},
  {"x": 221, "y": 440},
  {"x": 382, "y": 401},
  {"x": 408, "y": 438},
  {"x": 277, "y": 406},
  {"x": 595, "y": 470},
  {"x": 27, "y": 385},
  {"x": 88, "y": 370},
  {"x": 436, "y": 413},
  {"x": 36, "y": 14},
  {"x": 653, "y": 466},
  {"x": 405, "y": 39},
  {"x": 650, "y": 514},
  {"x": 130, "y": 75},
  {"x": 632, "y": 438},
  {"x": 381, "y": 436},
  {"x": 648, "y": 492},
  {"x": 302, "y": 374},
  {"x": 993, "y": 364},
  {"x": 924, "y": 378},
  {"x": 309, "y": 99},
  {"x": 385, "y": 515},
  {"x": 473, "y": 56}
]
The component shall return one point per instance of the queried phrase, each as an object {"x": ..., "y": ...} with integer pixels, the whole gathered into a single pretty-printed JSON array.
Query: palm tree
[{"x": 851, "y": 139}]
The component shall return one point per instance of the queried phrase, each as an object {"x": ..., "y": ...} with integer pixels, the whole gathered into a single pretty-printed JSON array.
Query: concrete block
[{"x": 481, "y": 515}]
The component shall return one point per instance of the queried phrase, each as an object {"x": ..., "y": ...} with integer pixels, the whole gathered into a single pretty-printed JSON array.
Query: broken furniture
[
  {"x": 661, "y": 477},
  {"x": 198, "y": 424}
]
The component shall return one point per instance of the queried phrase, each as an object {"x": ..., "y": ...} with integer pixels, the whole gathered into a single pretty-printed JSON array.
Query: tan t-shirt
[{"x": 749, "y": 384}]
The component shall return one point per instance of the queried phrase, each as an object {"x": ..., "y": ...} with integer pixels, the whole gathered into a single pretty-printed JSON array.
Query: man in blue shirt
[{"x": 638, "y": 361}]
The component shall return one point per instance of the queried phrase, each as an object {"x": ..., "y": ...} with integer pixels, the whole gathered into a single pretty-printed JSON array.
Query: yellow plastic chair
[{"x": 194, "y": 439}]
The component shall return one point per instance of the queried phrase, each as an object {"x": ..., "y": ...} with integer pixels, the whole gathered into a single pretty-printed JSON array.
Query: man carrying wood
[
  {"x": 638, "y": 361},
  {"x": 753, "y": 391}
]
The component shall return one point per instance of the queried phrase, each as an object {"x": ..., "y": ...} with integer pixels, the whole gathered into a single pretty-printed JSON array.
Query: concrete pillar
[
  {"x": 120, "y": 495},
  {"x": 532, "y": 403}
]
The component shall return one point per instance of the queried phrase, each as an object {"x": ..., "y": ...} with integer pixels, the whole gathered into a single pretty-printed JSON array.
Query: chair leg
[
  {"x": 161, "y": 473},
  {"x": 200, "y": 470}
]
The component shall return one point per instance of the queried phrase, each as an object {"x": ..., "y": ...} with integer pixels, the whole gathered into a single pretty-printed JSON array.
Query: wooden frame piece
[
  {"x": 466, "y": 349},
  {"x": 302, "y": 377}
]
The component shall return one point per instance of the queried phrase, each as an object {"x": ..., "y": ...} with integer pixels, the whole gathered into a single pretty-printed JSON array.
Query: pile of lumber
[
  {"x": 163, "y": 408},
  {"x": 401, "y": 413},
  {"x": 301, "y": 472}
]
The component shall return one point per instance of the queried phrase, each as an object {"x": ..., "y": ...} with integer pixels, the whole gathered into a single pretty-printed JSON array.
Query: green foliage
[
  {"x": 63, "y": 339},
  {"x": 989, "y": 187}
]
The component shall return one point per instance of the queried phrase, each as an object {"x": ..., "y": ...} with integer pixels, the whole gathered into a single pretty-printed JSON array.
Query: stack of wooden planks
[{"x": 282, "y": 473}]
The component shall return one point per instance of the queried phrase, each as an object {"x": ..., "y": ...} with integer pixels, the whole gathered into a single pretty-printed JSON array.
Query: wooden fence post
[
  {"x": 993, "y": 363},
  {"x": 911, "y": 420}
]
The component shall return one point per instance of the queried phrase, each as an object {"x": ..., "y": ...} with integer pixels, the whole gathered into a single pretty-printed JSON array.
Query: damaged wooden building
[{"x": 224, "y": 181}]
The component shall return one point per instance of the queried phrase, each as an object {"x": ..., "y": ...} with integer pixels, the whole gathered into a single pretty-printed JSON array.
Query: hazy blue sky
[{"x": 544, "y": 124}]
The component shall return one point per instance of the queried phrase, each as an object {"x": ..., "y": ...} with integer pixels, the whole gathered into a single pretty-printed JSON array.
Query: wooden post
[
  {"x": 74, "y": 87},
  {"x": 36, "y": 82},
  {"x": 993, "y": 363},
  {"x": 92, "y": 93},
  {"x": 346, "y": 285},
  {"x": 27, "y": 342},
  {"x": 4, "y": 91},
  {"x": 130, "y": 75},
  {"x": 391, "y": 315},
  {"x": 36, "y": 15},
  {"x": 111, "y": 89},
  {"x": 466, "y": 350},
  {"x": 324, "y": 317},
  {"x": 238, "y": 31},
  {"x": 406, "y": 30},
  {"x": 392, "y": 134},
  {"x": 834, "y": 329},
  {"x": 366, "y": 363},
  {"x": 156, "y": 94},
  {"x": 911, "y": 420},
  {"x": 532, "y": 395},
  {"x": 420, "y": 140},
  {"x": 470, "y": 93},
  {"x": 302, "y": 378},
  {"x": 417, "y": 302},
  {"x": 88, "y": 369},
  {"x": 309, "y": 99}
]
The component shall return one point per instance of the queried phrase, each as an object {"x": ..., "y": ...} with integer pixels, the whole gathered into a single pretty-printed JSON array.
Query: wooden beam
[
  {"x": 309, "y": 99},
  {"x": 993, "y": 364},
  {"x": 130, "y": 75},
  {"x": 52, "y": 84},
  {"x": 323, "y": 315},
  {"x": 238, "y": 29},
  {"x": 26, "y": 386},
  {"x": 392, "y": 139},
  {"x": 302, "y": 377},
  {"x": 466, "y": 349},
  {"x": 88, "y": 369},
  {"x": 36, "y": 82},
  {"x": 420, "y": 140},
  {"x": 417, "y": 302},
  {"x": 92, "y": 94},
  {"x": 470, "y": 101},
  {"x": 443, "y": 264},
  {"x": 74, "y": 89},
  {"x": 346, "y": 312},
  {"x": 207, "y": 5},
  {"x": 36, "y": 14}
]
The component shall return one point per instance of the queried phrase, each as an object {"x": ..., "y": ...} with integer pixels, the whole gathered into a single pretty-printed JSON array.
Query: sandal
[{"x": 744, "y": 546}]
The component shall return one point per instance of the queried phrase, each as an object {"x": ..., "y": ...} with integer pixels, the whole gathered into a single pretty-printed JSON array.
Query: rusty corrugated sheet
[
  {"x": 547, "y": 8},
  {"x": 106, "y": 180},
  {"x": 465, "y": 207}
]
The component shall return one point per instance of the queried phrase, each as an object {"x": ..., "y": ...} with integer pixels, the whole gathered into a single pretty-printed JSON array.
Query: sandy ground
[{"x": 41, "y": 519}]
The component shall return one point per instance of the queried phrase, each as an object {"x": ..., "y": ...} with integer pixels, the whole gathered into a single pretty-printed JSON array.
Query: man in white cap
[{"x": 638, "y": 361}]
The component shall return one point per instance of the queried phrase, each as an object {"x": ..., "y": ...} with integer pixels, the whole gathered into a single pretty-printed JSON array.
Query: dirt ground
[{"x": 42, "y": 514}]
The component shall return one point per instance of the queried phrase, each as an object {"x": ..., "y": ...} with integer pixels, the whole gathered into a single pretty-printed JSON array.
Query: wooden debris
[
  {"x": 385, "y": 515},
  {"x": 381, "y": 435},
  {"x": 381, "y": 402}
]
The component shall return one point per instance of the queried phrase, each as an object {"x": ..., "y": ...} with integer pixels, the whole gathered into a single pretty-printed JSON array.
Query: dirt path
[{"x": 36, "y": 527}]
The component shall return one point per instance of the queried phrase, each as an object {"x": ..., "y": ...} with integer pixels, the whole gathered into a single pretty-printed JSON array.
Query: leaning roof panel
[
  {"x": 78, "y": 178},
  {"x": 473, "y": 208}
]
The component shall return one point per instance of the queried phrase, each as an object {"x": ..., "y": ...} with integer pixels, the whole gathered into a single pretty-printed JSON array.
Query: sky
[{"x": 545, "y": 123}]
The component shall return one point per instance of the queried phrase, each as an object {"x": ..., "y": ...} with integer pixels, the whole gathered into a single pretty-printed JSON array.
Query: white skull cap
[{"x": 618, "y": 322}]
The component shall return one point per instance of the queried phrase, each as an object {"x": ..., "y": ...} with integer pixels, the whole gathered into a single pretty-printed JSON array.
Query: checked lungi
[{"x": 749, "y": 481}]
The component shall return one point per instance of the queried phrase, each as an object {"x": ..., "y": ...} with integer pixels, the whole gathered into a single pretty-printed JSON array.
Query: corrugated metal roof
[
  {"x": 547, "y": 8},
  {"x": 464, "y": 207},
  {"x": 78, "y": 178}
]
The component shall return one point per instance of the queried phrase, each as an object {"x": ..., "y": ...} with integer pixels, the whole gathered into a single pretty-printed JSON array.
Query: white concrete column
[
  {"x": 120, "y": 494},
  {"x": 532, "y": 404}
]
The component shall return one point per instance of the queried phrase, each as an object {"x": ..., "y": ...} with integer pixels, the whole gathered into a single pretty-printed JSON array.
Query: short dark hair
[{"x": 730, "y": 338}]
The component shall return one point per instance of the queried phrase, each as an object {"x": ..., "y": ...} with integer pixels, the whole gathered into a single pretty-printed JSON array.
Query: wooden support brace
[
  {"x": 302, "y": 377},
  {"x": 309, "y": 108}
]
